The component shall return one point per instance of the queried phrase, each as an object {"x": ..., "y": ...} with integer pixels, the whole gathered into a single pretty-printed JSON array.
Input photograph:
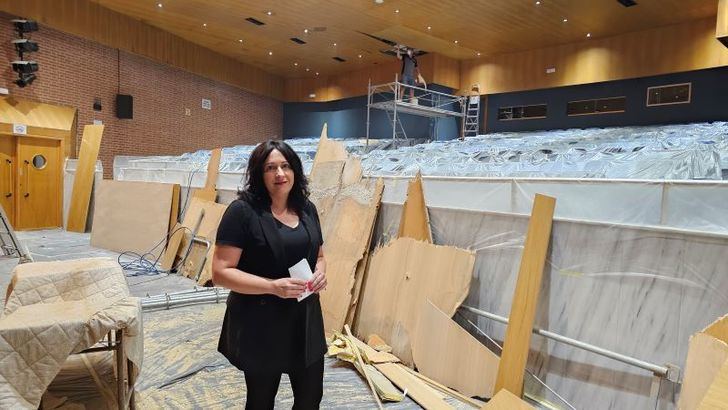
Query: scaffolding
[{"x": 394, "y": 98}]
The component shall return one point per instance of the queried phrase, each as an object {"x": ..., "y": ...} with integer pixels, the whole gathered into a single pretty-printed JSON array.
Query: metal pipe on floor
[
  {"x": 661, "y": 371},
  {"x": 218, "y": 295}
]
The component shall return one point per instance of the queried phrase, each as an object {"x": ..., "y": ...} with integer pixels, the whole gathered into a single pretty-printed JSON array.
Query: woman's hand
[
  {"x": 318, "y": 283},
  {"x": 288, "y": 288}
]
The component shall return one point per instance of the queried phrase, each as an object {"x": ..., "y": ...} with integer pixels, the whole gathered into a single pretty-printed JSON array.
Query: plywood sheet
[
  {"x": 84, "y": 178},
  {"x": 415, "y": 222},
  {"x": 718, "y": 329},
  {"x": 131, "y": 216},
  {"x": 213, "y": 168},
  {"x": 447, "y": 353},
  {"x": 420, "y": 392},
  {"x": 327, "y": 151},
  {"x": 706, "y": 355},
  {"x": 211, "y": 219},
  {"x": 505, "y": 400},
  {"x": 206, "y": 194},
  {"x": 525, "y": 297},
  {"x": 347, "y": 230},
  {"x": 177, "y": 233},
  {"x": 717, "y": 395},
  {"x": 402, "y": 276}
]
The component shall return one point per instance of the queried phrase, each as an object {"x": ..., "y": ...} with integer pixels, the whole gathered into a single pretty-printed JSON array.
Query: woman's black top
[{"x": 265, "y": 332}]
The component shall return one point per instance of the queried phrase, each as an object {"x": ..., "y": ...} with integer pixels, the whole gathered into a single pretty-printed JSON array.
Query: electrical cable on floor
[
  {"x": 146, "y": 264},
  {"x": 183, "y": 208}
]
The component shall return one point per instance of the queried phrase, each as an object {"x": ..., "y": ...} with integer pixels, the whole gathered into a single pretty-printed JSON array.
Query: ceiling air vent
[
  {"x": 255, "y": 21},
  {"x": 297, "y": 40},
  {"x": 339, "y": 59},
  {"x": 669, "y": 94},
  {"x": 627, "y": 3}
]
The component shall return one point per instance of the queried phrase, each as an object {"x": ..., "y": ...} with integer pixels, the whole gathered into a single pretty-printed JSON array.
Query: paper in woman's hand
[{"x": 301, "y": 270}]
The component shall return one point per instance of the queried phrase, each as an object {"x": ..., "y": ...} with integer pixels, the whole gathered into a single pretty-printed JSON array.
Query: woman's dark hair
[{"x": 255, "y": 190}]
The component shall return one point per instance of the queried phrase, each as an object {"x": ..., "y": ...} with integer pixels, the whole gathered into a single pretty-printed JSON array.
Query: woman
[{"x": 266, "y": 331}]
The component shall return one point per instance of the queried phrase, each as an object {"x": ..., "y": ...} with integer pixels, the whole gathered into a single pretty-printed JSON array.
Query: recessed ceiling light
[
  {"x": 316, "y": 72},
  {"x": 456, "y": 41},
  {"x": 270, "y": 53},
  {"x": 308, "y": 69},
  {"x": 359, "y": 56},
  {"x": 240, "y": 41},
  {"x": 270, "y": 13},
  {"x": 305, "y": 30},
  {"x": 159, "y": 5},
  {"x": 295, "y": 64},
  {"x": 396, "y": 11},
  {"x": 566, "y": 20},
  {"x": 204, "y": 24},
  {"x": 429, "y": 27},
  {"x": 478, "y": 53},
  {"x": 379, "y": 1},
  {"x": 334, "y": 44},
  {"x": 588, "y": 35},
  {"x": 538, "y": 3}
]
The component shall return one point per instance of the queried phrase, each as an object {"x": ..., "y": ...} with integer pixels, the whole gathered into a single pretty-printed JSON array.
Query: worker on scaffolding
[{"x": 410, "y": 71}]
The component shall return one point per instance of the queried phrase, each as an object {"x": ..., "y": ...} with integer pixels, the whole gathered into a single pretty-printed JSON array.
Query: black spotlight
[
  {"x": 25, "y": 46},
  {"x": 25, "y": 80},
  {"x": 23, "y": 26},
  {"x": 24, "y": 67}
]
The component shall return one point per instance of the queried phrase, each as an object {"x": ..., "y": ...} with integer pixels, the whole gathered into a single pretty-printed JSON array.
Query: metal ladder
[
  {"x": 471, "y": 122},
  {"x": 10, "y": 246}
]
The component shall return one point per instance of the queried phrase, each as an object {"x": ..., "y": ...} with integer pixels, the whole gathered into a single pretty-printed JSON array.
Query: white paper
[{"x": 301, "y": 270}]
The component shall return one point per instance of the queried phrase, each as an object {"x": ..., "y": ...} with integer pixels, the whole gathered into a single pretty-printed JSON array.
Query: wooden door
[
  {"x": 7, "y": 176},
  {"x": 39, "y": 183}
]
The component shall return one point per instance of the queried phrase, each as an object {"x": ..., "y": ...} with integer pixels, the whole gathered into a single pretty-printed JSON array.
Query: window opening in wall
[
  {"x": 525, "y": 112},
  {"x": 596, "y": 106},
  {"x": 669, "y": 94}
]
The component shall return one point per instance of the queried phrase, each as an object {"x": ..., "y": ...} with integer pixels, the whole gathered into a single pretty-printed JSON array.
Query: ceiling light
[
  {"x": 538, "y": 3},
  {"x": 429, "y": 27},
  {"x": 379, "y": 1},
  {"x": 204, "y": 24},
  {"x": 456, "y": 41},
  {"x": 566, "y": 20},
  {"x": 359, "y": 56},
  {"x": 396, "y": 11},
  {"x": 270, "y": 53},
  {"x": 295, "y": 64},
  {"x": 240, "y": 41},
  {"x": 159, "y": 5},
  {"x": 305, "y": 30},
  {"x": 270, "y": 13},
  {"x": 334, "y": 44},
  {"x": 588, "y": 35},
  {"x": 478, "y": 53},
  {"x": 308, "y": 69},
  {"x": 316, "y": 72}
]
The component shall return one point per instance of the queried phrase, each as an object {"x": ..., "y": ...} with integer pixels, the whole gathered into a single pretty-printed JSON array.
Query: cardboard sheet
[
  {"x": 415, "y": 221},
  {"x": 402, "y": 276},
  {"x": 447, "y": 353},
  {"x": 706, "y": 356},
  {"x": 131, "y": 216}
]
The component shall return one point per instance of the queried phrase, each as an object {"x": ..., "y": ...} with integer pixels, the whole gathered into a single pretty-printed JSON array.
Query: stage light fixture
[
  {"x": 23, "y": 46},
  {"x": 25, "y": 80},
  {"x": 23, "y": 26},
  {"x": 24, "y": 67}
]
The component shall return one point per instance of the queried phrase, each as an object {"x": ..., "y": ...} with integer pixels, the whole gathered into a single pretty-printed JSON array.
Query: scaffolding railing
[{"x": 397, "y": 98}]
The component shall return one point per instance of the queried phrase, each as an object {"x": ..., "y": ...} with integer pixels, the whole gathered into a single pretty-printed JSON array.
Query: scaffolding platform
[{"x": 395, "y": 98}]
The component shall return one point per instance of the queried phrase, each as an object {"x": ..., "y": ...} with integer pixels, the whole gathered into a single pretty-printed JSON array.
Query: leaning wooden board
[
  {"x": 131, "y": 216},
  {"x": 525, "y": 298},
  {"x": 83, "y": 179}
]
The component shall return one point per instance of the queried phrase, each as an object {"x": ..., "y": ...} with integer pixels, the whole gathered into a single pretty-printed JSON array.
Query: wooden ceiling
[{"x": 487, "y": 27}]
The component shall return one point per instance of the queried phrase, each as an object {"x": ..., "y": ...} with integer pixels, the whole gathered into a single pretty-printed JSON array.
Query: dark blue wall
[
  {"x": 709, "y": 103},
  {"x": 347, "y": 119}
]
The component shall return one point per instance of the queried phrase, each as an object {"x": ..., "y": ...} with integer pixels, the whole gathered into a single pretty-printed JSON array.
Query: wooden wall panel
[
  {"x": 434, "y": 67},
  {"x": 42, "y": 120},
  {"x": 721, "y": 27},
  {"x": 676, "y": 48},
  {"x": 91, "y": 21}
]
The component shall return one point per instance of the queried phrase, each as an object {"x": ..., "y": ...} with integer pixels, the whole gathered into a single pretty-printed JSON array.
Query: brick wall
[{"x": 73, "y": 71}]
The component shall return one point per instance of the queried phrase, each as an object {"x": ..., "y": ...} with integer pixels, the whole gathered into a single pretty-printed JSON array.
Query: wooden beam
[
  {"x": 83, "y": 179},
  {"x": 213, "y": 168},
  {"x": 525, "y": 297},
  {"x": 420, "y": 391},
  {"x": 363, "y": 368}
]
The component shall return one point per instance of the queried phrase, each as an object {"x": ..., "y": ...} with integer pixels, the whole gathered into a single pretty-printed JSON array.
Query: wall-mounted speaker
[{"x": 124, "y": 106}]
